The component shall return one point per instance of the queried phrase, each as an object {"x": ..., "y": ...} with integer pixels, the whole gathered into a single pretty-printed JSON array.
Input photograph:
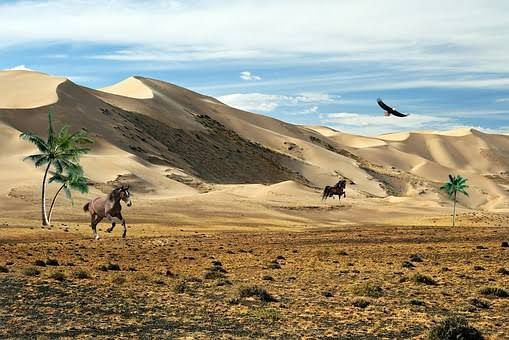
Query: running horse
[
  {"x": 109, "y": 207},
  {"x": 338, "y": 189}
]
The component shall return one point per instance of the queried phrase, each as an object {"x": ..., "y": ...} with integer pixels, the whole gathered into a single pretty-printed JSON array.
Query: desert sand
[{"x": 244, "y": 189}]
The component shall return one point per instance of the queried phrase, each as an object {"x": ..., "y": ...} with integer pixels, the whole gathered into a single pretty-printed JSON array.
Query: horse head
[{"x": 125, "y": 195}]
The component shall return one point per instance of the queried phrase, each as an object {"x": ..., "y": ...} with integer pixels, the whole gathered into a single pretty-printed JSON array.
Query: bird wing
[
  {"x": 390, "y": 109},
  {"x": 384, "y": 106},
  {"x": 398, "y": 114}
]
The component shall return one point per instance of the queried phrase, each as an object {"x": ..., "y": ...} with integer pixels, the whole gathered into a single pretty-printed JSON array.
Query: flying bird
[{"x": 389, "y": 110}]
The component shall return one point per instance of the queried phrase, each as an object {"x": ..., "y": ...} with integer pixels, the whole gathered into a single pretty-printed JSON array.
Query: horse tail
[
  {"x": 325, "y": 192},
  {"x": 86, "y": 206}
]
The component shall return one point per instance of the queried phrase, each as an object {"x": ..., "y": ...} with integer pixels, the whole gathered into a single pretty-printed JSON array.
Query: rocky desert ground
[{"x": 228, "y": 236}]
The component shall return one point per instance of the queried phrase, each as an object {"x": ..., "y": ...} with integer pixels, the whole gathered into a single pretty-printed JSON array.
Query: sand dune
[
  {"x": 176, "y": 147},
  {"x": 27, "y": 89},
  {"x": 130, "y": 87}
]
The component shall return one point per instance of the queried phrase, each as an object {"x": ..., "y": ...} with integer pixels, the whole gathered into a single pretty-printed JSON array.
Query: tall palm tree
[
  {"x": 453, "y": 186},
  {"x": 60, "y": 150},
  {"x": 74, "y": 180}
]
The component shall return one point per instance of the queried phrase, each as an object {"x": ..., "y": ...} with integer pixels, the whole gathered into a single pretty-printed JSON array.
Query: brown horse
[
  {"x": 109, "y": 207},
  {"x": 338, "y": 189}
]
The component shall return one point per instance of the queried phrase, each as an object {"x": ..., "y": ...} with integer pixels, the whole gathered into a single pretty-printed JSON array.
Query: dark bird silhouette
[{"x": 390, "y": 110}]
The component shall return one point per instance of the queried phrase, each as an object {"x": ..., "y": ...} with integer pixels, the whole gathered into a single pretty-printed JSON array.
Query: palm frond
[
  {"x": 454, "y": 185},
  {"x": 39, "y": 159},
  {"x": 40, "y": 143},
  {"x": 68, "y": 194},
  {"x": 58, "y": 177},
  {"x": 59, "y": 165}
]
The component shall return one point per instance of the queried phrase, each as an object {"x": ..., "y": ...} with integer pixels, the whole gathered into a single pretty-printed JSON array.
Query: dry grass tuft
[
  {"x": 454, "y": 327},
  {"x": 256, "y": 291},
  {"x": 495, "y": 292},
  {"x": 368, "y": 289}
]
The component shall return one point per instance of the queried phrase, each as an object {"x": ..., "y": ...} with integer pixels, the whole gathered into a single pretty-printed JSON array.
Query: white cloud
[
  {"x": 485, "y": 83},
  {"x": 265, "y": 103},
  {"x": 312, "y": 109},
  {"x": 379, "y": 124},
  {"x": 469, "y": 35},
  {"x": 502, "y": 100},
  {"x": 246, "y": 75},
  {"x": 18, "y": 68},
  {"x": 254, "y": 102}
]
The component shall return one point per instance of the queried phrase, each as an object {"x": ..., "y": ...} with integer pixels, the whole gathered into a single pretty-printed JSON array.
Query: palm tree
[
  {"x": 60, "y": 150},
  {"x": 453, "y": 186},
  {"x": 74, "y": 180}
]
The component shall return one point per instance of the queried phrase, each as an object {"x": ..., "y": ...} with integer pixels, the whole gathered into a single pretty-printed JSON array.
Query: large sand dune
[{"x": 181, "y": 149}]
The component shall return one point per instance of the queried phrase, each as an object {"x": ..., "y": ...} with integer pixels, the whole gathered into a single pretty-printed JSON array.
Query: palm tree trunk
[
  {"x": 44, "y": 216},
  {"x": 454, "y": 212},
  {"x": 53, "y": 202}
]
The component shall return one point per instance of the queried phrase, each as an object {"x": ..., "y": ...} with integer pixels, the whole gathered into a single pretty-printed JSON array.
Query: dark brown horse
[
  {"x": 109, "y": 207},
  {"x": 338, "y": 189}
]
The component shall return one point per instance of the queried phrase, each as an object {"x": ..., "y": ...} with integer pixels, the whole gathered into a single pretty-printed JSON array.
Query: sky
[{"x": 320, "y": 62}]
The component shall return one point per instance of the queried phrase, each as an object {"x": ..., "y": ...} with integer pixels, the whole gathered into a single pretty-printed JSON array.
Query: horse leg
[
  {"x": 125, "y": 229},
  {"x": 113, "y": 220},
  {"x": 110, "y": 229},
  {"x": 95, "y": 219},
  {"x": 123, "y": 225}
]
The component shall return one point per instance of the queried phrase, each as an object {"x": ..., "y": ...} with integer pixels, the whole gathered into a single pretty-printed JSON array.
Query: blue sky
[{"x": 306, "y": 62}]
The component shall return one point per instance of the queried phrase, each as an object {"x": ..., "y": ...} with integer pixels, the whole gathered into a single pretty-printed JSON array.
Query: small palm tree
[
  {"x": 60, "y": 150},
  {"x": 74, "y": 180},
  {"x": 453, "y": 186}
]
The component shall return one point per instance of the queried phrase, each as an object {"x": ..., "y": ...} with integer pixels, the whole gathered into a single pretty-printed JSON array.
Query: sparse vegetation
[
  {"x": 52, "y": 262},
  {"x": 368, "y": 289},
  {"x": 113, "y": 267},
  {"x": 328, "y": 293},
  {"x": 424, "y": 279},
  {"x": 408, "y": 264},
  {"x": 119, "y": 280},
  {"x": 307, "y": 290},
  {"x": 480, "y": 303},
  {"x": 494, "y": 292},
  {"x": 31, "y": 271},
  {"x": 503, "y": 271},
  {"x": 223, "y": 282},
  {"x": 453, "y": 328},
  {"x": 361, "y": 303},
  {"x": 415, "y": 258},
  {"x": 417, "y": 302},
  {"x": 274, "y": 265},
  {"x": 256, "y": 291},
  {"x": 181, "y": 286},
  {"x": 212, "y": 275},
  {"x": 81, "y": 274},
  {"x": 58, "y": 276},
  {"x": 270, "y": 315},
  {"x": 39, "y": 263}
]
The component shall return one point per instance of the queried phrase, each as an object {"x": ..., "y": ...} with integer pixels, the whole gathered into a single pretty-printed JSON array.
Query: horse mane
[{"x": 112, "y": 194}]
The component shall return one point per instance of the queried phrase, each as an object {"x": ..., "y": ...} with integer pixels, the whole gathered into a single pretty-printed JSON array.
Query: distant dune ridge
[{"x": 172, "y": 142}]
